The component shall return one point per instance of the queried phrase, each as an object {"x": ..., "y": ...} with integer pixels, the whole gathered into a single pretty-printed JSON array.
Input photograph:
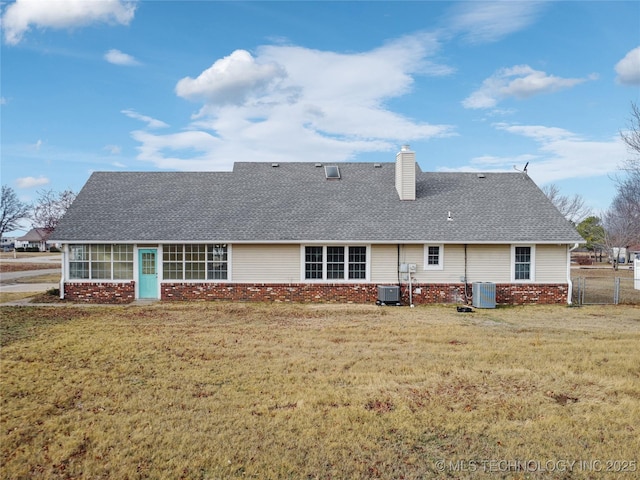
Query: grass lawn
[{"x": 215, "y": 390}]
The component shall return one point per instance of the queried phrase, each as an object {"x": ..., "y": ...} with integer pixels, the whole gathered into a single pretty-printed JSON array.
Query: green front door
[{"x": 148, "y": 272}]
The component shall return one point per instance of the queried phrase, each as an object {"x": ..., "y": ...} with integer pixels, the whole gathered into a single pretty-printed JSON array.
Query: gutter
[{"x": 569, "y": 282}]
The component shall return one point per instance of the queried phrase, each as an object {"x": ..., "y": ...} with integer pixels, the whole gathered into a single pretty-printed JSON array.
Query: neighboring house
[
  {"x": 305, "y": 232},
  {"x": 7, "y": 243},
  {"x": 35, "y": 238}
]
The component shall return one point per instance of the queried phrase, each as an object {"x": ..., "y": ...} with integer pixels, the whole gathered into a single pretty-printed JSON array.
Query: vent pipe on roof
[{"x": 406, "y": 173}]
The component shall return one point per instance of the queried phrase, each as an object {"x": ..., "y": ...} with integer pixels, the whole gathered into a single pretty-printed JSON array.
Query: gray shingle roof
[{"x": 294, "y": 202}]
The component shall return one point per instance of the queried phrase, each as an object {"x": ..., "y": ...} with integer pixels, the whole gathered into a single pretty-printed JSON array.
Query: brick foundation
[
  {"x": 272, "y": 292},
  {"x": 506, "y": 294},
  {"x": 96, "y": 292}
]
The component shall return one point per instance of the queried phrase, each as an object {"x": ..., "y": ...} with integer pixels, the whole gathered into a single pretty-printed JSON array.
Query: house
[
  {"x": 305, "y": 232},
  {"x": 34, "y": 238}
]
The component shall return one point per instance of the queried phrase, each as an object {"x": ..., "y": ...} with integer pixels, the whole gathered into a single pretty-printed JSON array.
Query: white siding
[
  {"x": 406, "y": 174},
  {"x": 485, "y": 263},
  {"x": 551, "y": 263},
  {"x": 488, "y": 263},
  {"x": 453, "y": 266},
  {"x": 266, "y": 263},
  {"x": 384, "y": 268}
]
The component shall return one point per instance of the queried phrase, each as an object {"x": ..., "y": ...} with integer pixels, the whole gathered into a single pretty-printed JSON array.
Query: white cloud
[
  {"x": 20, "y": 16},
  {"x": 289, "y": 103},
  {"x": 151, "y": 122},
  {"x": 481, "y": 22},
  {"x": 520, "y": 81},
  {"x": 113, "y": 149},
  {"x": 119, "y": 58},
  {"x": 559, "y": 155},
  {"x": 628, "y": 69},
  {"x": 3, "y": 101},
  {"x": 31, "y": 182},
  {"x": 231, "y": 80}
]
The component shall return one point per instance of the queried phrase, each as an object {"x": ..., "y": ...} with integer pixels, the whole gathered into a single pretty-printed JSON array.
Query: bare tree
[
  {"x": 572, "y": 208},
  {"x": 622, "y": 220},
  {"x": 12, "y": 210},
  {"x": 50, "y": 208},
  {"x": 632, "y": 135}
]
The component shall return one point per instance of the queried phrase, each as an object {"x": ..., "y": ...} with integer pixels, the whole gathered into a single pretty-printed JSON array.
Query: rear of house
[{"x": 304, "y": 232}]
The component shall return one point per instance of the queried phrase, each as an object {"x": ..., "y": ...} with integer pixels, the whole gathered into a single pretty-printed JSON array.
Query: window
[
  {"x": 357, "y": 263},
  {"x": 217, "y": 262},
  {"x": 79, "y": 261},
  {"x": 523, "y": 263},
  {"x": 332, "y": 172},
  {"x": 433, "y": 257},
  {"x": 195, "y": 262},
  {"x": 313, "y": 263},
  {"x": 335, "y": 263},
  {"x": 172, "y": 262},
  {"x": 101, "y": 262}
]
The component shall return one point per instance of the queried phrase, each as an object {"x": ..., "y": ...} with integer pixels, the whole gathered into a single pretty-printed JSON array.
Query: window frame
[
  {"x": 531, "y": 263},
  {"x": 195, "y": 262},
  {"x": 114, "y": 258},
  {"x": 440, "y": 264},
  {"x": 350, "y": 266}
]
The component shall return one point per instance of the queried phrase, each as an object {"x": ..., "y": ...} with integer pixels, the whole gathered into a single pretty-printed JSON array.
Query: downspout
[
  {"x": 398, "y": 268},
  {"x": 569, "y": 282},
  {"x": 466, "y": 294},
  {"x": 63, "y": 260}
]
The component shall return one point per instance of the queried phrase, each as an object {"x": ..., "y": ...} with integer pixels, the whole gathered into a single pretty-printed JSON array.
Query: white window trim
[
  {"x": 68, "y": 262},
  {"x": 532, "y": 269},
  {"x": 229, "y": 278},
  {"x": 324, "y": 278},
  {"x": 440, "y": 265}
]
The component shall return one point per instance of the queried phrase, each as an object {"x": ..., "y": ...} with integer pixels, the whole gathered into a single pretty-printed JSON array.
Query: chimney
[{"x": 406, "y": 173}]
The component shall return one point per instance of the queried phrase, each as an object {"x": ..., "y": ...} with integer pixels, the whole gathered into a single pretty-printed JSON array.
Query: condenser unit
[
  {"x": 388, "y": 295},
  {"x": 484, "y": 295}
]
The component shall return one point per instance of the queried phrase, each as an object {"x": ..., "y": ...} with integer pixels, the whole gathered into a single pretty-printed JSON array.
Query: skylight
[{"x": 332, "y": 172}]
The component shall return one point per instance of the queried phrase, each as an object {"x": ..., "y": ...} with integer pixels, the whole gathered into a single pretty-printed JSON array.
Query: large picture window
[
  {"x": 195, "y": 262},
  {"x": 335, "y": 262},
  {"x": 101, "y": 262}
]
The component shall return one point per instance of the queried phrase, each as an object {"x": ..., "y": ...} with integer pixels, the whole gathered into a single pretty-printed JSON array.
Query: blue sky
[{"x": 197, "y": 85}]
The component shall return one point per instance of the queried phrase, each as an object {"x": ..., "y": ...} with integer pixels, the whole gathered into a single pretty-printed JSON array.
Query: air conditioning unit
[
  {"x": 388, "y": 295},
  {"x": 484, "y": 294}
]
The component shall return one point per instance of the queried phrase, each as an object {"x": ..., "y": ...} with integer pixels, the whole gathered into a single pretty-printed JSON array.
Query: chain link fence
[{"x": 604, "y": 287}]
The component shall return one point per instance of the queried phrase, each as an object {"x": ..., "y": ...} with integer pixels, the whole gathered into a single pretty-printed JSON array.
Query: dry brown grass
[
  {"x": 274, "y": 391},
  {"x": 600, "y": 285}
]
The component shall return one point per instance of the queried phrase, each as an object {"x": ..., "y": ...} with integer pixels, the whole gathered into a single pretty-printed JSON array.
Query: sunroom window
[
  {"x": 101, "y": 262},
  {"x": 195, "y": 262}
]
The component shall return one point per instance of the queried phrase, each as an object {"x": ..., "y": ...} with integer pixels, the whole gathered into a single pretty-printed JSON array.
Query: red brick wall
[
  {"x": 272, "y": 292},
  {"x": 508, "y": 294},
  {"x": 95, "y": 292},
  {"x": 358, "y": 293},
  {"x": 524, "y": 293}
]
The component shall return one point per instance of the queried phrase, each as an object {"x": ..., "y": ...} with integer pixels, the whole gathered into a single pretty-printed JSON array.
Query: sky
[{"x": 117, "y": 85}]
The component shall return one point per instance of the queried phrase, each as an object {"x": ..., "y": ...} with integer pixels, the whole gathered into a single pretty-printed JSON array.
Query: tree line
[
  {"x": 618, "y": 227},
  {"x": 44, "y": 213}
]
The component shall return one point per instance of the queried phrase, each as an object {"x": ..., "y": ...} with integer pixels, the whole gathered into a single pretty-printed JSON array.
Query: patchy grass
[
  {"x": 274, "y": 391},
  {"x": 26, "y": 267},
  {"x": 14, "y": 296}
]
